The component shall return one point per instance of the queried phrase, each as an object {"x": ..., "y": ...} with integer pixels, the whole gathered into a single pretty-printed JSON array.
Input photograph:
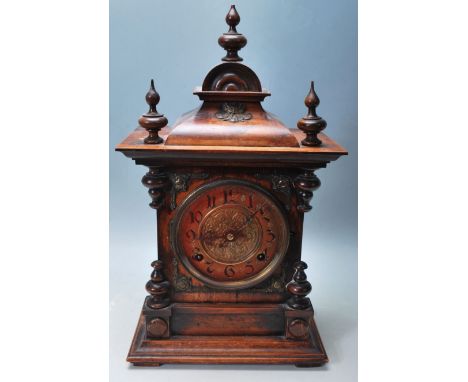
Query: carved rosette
[
  {"x": 158, "y": 287},
  {"x": 305, "y": 184},
  {"x": 158, "y": 182},
  {"x": 157, "y": 327},
  {"x": 298, "y": 328},
  {"x": 299, "y": 288},
  {"x": 281, "y": 183}
]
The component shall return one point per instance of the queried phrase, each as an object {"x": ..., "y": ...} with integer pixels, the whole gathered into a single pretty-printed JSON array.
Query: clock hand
[
  {"x": 249, "y": 219},
  {"x": 212, "y": 234}
]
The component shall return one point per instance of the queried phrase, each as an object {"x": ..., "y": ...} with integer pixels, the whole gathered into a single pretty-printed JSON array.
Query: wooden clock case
[{"x": 229, "y": 142}]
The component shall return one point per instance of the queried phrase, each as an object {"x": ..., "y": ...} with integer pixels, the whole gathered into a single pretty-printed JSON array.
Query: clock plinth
[
  {"x": 230, "y": 184},
  {"x": 256, "y": 347}
]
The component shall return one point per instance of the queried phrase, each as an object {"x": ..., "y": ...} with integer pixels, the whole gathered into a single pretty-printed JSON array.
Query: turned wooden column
[
  {"x": 158, "y": 287},
  {"x": 157, "y": 310},
  {"x": 158, "y": 183},
  {"x": 299, "y": 288},
  {"x": 305, "y": 184},
  {"x": 299, "y": 312}
]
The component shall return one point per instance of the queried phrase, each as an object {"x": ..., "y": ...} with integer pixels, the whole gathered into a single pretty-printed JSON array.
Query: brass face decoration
[{"x": 230, "y": 234}]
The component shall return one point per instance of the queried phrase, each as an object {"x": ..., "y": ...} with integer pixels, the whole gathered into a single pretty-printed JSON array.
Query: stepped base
[{"x": 216, "y": 349}]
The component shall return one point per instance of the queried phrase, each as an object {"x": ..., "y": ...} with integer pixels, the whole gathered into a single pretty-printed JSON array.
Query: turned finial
[
  {"x": 152, "y": 121},
  {"x": 232, "y": 41},
  {"x": 312, "y": 101},
  {"x": 232, "y": 19},
  {"x": 152, "y": 98},
  {"x": 299, "y": 288},
  {"x": 311, "y": 124},
  {"x": 158, "y": 287}
]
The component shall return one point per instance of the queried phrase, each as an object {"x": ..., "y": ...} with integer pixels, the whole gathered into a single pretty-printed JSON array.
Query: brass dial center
[{"x": 230, "y": 234}]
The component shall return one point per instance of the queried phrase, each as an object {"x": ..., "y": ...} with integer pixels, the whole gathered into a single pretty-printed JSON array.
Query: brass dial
[{"x": 230, "y": 234}]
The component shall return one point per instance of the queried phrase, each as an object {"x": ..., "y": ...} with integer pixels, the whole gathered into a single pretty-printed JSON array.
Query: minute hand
[{"x": 249, "y": 219}]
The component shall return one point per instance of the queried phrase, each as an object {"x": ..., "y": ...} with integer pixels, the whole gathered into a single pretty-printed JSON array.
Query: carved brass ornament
[
  {"x": 233, "y": 112},
  {"x": 180, "y": 183},
  {"x": 281, "y": 184},
  {"x": 181, "y": 283}
]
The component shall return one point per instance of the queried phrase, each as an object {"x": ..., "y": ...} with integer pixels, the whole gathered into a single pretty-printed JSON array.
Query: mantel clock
[{"x": 230, "y": 183}]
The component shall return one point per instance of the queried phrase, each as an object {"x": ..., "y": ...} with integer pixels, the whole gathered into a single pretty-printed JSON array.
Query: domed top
[
  {"x": 231, "y": 127},
  {"x": 231, "y": 81},
  {"x": 231, "y": 114}
]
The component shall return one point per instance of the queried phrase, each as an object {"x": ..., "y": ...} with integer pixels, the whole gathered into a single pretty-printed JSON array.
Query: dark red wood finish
[{"x": 230, "y": 184}]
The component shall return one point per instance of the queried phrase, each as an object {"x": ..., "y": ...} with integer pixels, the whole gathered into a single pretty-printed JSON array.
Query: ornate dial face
[{"x": 230, "y": 234}]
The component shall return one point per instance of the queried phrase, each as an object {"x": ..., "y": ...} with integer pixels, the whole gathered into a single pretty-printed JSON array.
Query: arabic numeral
[
  {"x": 229, "y": 271},
  {"x": 191, "y": 234},
  {"x": 196, "y": 216},
  {"x": 227, "y": 196},
  {"x": 211, "y": 201},
  {"x": 271, "y": 234}
]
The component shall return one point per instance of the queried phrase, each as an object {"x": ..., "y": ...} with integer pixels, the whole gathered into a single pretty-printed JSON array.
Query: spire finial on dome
[
  {"x": 232, "y": 41},
  {"x": 232, "y": 19}
]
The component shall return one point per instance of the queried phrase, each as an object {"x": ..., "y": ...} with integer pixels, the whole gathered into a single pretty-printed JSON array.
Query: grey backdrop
[{"x": 289, "y": 44}]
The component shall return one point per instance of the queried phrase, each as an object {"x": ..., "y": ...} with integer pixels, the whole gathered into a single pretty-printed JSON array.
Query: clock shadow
[{"x": 236, "y": 367}]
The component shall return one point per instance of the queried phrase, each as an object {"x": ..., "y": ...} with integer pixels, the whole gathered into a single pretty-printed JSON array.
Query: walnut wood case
[{"x": 230, "y": 184}]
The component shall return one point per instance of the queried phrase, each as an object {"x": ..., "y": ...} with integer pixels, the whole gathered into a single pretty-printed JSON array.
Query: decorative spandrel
[{"x": 180, "y": 183}]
